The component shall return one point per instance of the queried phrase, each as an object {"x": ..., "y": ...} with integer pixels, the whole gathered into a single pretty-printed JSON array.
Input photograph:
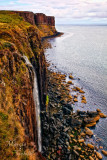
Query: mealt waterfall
[{"x": 37, "y": 105}]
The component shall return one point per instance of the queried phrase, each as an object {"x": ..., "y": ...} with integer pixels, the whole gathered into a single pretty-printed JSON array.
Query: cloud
[{"x": 68, "y": 9}]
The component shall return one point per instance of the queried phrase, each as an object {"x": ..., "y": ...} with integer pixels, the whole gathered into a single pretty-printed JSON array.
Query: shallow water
[{"x": 82, "y": 50}]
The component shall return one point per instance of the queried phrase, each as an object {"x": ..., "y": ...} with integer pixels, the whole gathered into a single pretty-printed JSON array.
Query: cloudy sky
[{"x": 65, "y": 11}]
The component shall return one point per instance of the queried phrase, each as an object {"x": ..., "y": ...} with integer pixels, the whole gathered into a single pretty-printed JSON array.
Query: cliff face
[
  {"x": 41, "y": 18},
  {"x": 28, "y": 16},
  {"x": 45, "y": 24},
  {"x": 17, "y": 111}
]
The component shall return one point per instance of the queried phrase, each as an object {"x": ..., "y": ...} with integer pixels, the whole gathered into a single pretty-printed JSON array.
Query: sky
[{"x": 65, "y": 11}]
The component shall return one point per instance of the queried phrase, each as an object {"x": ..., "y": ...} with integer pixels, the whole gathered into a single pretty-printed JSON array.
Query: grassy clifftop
[{"x": 17, "y": 111}]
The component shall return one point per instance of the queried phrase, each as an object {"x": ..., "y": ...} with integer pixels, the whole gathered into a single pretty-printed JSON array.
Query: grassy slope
[{"x": 14, "y": 42}]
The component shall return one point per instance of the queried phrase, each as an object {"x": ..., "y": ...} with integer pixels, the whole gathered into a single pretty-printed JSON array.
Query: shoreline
[
  {"x": 58, "y": 34},
  {"x": 81, "y": 127}
]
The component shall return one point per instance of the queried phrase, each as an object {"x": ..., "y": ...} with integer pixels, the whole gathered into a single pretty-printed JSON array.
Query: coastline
[
  {"x": 57, "y": 34},
  {"x": 60, "y": 109}
]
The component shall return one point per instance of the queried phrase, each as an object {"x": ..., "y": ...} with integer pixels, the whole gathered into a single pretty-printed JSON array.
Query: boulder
[
  {"x": 90, "y": 146},
  {"x": 81, "y": 140},
  {"x": 75, "y": 100},
  {"x": 66, "y": 111},
  {"x": 102, "y": 115},
  {"x": 90, "y": 158},
  {"x": 69, "y": 106},
  {"x": 104, "y": 152},
  {"x": 92, "y": 113},
  {"x": 88, "y": 131},
  {"x": 99, "y": 156},
  {"x": 91, "y": 124},
  {"x": 71, "y": 77}
]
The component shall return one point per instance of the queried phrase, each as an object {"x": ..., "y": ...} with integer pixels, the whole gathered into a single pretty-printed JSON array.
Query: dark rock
[
  {"x": 92, "y": 113},
  {"x": 75, "y": 122},
  {"x": 69, "y": 106},
  {"x": 66, "y": 111}
]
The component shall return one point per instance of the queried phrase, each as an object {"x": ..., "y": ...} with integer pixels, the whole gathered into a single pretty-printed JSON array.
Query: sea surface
[{"x": 82, "y": 51}]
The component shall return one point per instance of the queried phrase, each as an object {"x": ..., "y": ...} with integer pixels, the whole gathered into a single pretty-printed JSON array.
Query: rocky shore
[{"x": 64, "y": 131}]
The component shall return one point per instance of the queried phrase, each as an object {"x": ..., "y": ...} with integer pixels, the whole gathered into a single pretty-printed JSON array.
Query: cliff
[
  {"x": 18, "y": 38},
  {"x": 41, "y": 18},
  {"x": 46, "y": 24}
]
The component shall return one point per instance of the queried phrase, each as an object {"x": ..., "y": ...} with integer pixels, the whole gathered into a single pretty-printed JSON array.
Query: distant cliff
[
  {"x": 41, "y": 18},
  {"x": 19, "y": 38},
  {"x": 46, "y": 24}
]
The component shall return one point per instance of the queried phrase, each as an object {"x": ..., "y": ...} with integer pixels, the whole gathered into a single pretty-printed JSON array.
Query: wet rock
[
  {"x": 104, "y": 152},
  {"x": 90, "y": 158},
  {"x": 69, "y": 106},
  {"x": 75, "y": 100},
  {"x": 99, "y": 156},
  {"x": 92, "y": 113},
  {"x": 69, "y": 82},
  {"x": 75, "y": 122},
  {"x": 98, "y": 110},
  {"x": 81, "y": 140},
  {"x": 66, "y": 111},
  {"x": 88, "y": 131},
  {"x": 71, "y": 77},
  {"x": 90, "y": 146},
  {"x": 75, "y": 152},
  {"x": 91, "y": 124},
  {"x": 102, "y": 115}
]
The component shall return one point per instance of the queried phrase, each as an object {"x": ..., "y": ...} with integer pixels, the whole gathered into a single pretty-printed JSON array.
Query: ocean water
[{"x": 82, "y": 50}]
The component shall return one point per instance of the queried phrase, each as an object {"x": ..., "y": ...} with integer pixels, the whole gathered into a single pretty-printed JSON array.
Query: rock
[
  {"x": 66, "y": 111},
  {"x": 82, "y": 156},
  {"x": 91, "y": 124},
  {"x": 95, "y": 119},
  {"x": 98, "y": 110},
  {"x": 102, "y": 115},
  {"x": 90, "y": 146},
  {"x": 75, "y": 152},
  {"x": 99, "y": 156},
  {"x": 83, "y": 98},
  {"x": 69, "y": 82},
  {"x": 69, "y": 106},
  {"x": 81, "y": 91},
  {"x": 104, "y": 152},
  {"x": 83, "y": 101},
  {"x": 75, "y": 100},
  {"x": 77, "y": 88},
  {"x": 81, "y": 140},
  {"x": 82, "y": 134},
  {"x": 92, "y": 113},
  {"x": 71, "y": 135},
  {"x": 88, "y": 131},
  {"x": 90, "y": 158},
  {"x": 75, "y": 122},
  {"x": 69, "y": 147},
  {"x": 71, "y": 77}
]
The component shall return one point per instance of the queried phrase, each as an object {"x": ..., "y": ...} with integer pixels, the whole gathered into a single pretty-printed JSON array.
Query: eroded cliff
[{"x": 18, "y": 38}]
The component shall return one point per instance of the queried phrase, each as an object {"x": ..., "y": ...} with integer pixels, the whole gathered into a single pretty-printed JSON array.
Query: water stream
[{"x": 37, "y": 105}]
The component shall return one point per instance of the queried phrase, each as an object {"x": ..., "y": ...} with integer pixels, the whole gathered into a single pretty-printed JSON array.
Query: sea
[{"x": 82, "y": 51}]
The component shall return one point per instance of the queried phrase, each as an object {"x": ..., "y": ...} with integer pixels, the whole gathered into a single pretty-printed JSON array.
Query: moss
[{"x": 3, "y": 116}]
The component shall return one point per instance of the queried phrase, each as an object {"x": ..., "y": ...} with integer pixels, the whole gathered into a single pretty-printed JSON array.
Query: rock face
[
  {"x": 38, "y": 18},
  {"x": 28, "y": 16},
  {"x": 41, "y": 18}
]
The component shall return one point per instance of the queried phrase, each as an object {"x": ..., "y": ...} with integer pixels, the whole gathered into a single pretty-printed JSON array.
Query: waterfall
[{"x": 37, "y": 105}]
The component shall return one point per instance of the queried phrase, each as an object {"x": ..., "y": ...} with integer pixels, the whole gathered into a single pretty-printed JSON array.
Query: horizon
[{"x": 75, "y": 12}]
